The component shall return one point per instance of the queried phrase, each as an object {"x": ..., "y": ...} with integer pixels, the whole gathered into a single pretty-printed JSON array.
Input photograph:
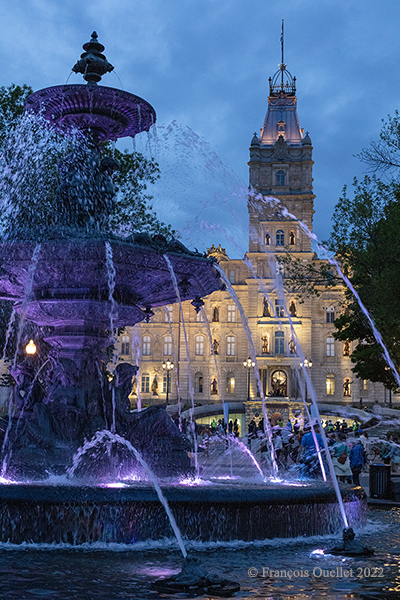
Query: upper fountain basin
[
  {"x": 102, "y": 112},
  {"x": 71, "y": 279}
]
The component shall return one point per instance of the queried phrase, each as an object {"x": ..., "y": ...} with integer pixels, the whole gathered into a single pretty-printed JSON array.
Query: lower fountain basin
[{"x": 79, "y": 514}]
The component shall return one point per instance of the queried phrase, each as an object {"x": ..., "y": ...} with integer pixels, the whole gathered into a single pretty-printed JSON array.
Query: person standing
[
  {"x": 340, "y": 458},
  {"x": 357, "y": 461}
]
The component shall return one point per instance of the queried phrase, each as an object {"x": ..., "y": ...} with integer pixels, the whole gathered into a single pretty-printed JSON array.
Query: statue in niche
[
  {"x": 292, "y": 347},
  {"x": 346, "y": 387},
  {"x": 267, "y": 239},
  {"x": 215, "y": 317},
  {"x": 134, "y": 387},
  {"x": 292, "y": 238},
  {"x": 266, "y": 312},
  {"x": 346, "y": 349},
  {"x": 265, "y": 344},
  {"x": 292, "y": 309},
  {"x": 216, "y": 346},
  {"x": 154, "y": 386},
  {"x": 214, "y": 386}
]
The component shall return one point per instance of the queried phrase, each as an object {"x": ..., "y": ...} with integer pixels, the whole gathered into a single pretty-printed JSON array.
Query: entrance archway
[{"x": 279, "y": 384}]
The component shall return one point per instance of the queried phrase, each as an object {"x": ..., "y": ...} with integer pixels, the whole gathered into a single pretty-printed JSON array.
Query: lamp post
[
  {"x": 307, "y": 364},
  {"x": 388, "y": 369},
  {"x": 167, "y": 366},
  {"x": 248, "y": 364}
]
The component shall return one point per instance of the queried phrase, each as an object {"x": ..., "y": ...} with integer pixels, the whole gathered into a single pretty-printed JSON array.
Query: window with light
[
  {"x": 230, "y": 345},
  {"x": 231, "y": 313},
  {"x": 330, "y": 385},
  {"x": 330, "y": 346},
  {"x": 125, "y": 345},
  {"x": 167, "y": 345},
  {"x": 199, "y": 345},
  {"x": 146, "y": 345}
]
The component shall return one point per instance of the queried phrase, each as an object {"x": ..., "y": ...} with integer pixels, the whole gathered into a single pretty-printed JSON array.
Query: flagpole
[{"x": 282, "y": 67}]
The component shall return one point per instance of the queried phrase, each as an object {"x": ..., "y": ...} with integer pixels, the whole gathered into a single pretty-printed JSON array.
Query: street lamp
[
  {"x": 167, "y": 366},
  {"x": 307, "y": 364},
  {"x": 30, "y": 348},
  {"x": 248, "y": 364}
]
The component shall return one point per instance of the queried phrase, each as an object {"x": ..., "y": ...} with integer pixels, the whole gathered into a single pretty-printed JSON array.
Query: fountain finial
[{"x": 93, "y": 64}]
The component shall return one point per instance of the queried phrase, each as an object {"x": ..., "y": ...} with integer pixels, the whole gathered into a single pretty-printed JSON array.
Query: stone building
[{"x": 280, "y": 166}]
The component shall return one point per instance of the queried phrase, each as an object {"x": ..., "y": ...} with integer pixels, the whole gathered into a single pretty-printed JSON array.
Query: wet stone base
[{"x": 78, "y": 515}]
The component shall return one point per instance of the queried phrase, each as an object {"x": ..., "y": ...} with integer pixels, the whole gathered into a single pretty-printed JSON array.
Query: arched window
[
  {"x": 146, "y": 345},
  {"x": 167, "y": 345},
  {"x": 330, "y": 346},
  {"x": 279, "y": 342},
  {"x": 145, "y": 387},
  {"x": 125, "y": 345},
  {"x": 215, "y": 317},
  {"x": 168, "y": 314},
  {"x": 199, "y": 348},
  {"x": 230, "y": 383},
  {"x": 292, "y": 238},
  {"x": 280, "y": 238},
  {"x": 346, "y": 386},
  {"x": 198, "y": 383},
  {"x": 280, "y": 178},
  {"x": 279, "y": 308},
  {"x": 267, "y": 239},
  {"x": 232, "y": 276},
  {"x": 330, "y": 384},
  {"x": 230, "y": 345}
]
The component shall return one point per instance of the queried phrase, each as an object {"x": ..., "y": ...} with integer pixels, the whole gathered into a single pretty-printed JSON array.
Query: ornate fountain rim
[{"x": 108, "y": 112}]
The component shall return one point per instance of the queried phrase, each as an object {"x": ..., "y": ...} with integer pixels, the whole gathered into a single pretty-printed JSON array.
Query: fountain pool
[{"x": 273, "y": 570}]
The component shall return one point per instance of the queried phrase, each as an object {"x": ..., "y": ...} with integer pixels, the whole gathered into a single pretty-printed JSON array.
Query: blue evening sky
[{"x": 204, "y": 66}]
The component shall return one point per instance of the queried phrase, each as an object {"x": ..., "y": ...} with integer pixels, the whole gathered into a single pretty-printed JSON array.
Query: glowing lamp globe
[{"x": 30, "y": 348}]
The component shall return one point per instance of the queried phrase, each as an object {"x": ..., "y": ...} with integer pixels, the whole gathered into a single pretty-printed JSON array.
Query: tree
[
  {"x": 366, "y": 234},
  {"x": 33, "y": 156},
  {"x": 133, "y": 212},
  {"x": 383, "y": 155}
]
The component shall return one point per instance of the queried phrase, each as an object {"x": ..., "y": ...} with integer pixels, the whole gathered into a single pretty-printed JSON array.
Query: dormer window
[
  {"x": 281, "y": 128},
  {"x": 280, "y": 178}
]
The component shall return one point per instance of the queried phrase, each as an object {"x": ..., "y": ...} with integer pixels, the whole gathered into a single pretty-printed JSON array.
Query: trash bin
[
  {"x": 379, "y": 482},
  {"x": 396, "y": 488}
]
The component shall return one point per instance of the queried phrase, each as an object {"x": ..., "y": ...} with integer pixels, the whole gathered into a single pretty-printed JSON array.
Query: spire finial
[
  {"x": 93, "y": 64},
  {"x": 282, "y": 82}
]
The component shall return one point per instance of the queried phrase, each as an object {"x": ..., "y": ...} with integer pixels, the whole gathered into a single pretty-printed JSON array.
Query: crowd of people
[{"x": 298, "y": 446}]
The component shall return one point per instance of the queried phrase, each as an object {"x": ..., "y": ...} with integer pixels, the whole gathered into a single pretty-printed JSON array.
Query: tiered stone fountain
[{"x": 80, "y": 283}]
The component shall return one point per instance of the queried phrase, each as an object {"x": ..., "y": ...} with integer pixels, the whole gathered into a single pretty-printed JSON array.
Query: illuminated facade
[{"x": 280, "y": 166}]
